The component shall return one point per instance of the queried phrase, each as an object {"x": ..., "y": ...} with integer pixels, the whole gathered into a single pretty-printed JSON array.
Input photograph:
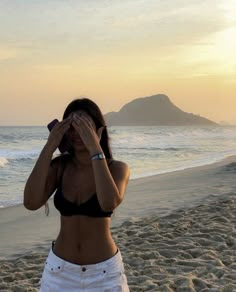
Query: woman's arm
[
  {"x": 42, "y": 181},
  {"x": 110, "y": 183}
]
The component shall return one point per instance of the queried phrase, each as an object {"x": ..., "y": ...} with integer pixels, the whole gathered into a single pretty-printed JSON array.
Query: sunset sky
[{"x": 114, "y": 51}]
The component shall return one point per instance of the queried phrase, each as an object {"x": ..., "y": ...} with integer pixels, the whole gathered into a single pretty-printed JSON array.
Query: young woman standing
[{"x": 89, "y": 185}]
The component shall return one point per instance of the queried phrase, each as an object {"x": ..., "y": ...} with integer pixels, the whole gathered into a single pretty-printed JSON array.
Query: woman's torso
[{"x": 82, "y": 239}]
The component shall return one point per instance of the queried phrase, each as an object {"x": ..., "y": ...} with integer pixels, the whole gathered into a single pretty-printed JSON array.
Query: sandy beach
[{"x": 176, "y": 232}]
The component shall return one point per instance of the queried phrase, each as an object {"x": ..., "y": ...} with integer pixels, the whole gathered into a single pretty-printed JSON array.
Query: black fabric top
[{"x": 89, "y": 208}]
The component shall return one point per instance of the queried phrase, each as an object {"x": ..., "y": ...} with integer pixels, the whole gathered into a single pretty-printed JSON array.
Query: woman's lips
[{"x": 77, "y": 141}]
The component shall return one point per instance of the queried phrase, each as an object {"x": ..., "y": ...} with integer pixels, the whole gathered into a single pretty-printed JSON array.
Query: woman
[{"x": 89, "y": 185}]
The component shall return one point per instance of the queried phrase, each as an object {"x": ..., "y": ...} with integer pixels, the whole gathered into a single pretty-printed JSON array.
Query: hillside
[{"x": 154, "y": 110}]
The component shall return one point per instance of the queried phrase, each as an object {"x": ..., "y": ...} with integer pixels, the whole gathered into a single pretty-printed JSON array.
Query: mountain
[{"x": 153, "y": 110}]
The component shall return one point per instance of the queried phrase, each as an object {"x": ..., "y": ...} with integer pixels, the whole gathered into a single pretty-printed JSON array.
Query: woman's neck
[{"x": 81, "y": 158}]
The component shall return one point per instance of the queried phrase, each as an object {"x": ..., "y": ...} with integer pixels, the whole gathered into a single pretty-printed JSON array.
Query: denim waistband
[{"x": 111, "y": 263}]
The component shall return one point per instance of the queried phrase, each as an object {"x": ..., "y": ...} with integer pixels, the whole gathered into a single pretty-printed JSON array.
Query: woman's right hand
[{"x": 57, "y": 133}]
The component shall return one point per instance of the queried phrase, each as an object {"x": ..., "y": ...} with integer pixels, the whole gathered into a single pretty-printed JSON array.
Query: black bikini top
[{"x": 89, "y": 208}]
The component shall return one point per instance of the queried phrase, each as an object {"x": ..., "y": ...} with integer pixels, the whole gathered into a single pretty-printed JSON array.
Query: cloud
[
  {"x": 52, "y": 22},
  {"x": 62, "y": 31}
]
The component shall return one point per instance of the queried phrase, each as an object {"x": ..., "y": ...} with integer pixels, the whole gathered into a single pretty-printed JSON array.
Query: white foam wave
[
  {"x": 3, "y": 161},
  {"x": 18, "y": 154}
]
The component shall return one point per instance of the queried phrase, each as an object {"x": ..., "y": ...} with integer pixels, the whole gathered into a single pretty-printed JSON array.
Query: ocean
[{"x": 147, "y": 150}]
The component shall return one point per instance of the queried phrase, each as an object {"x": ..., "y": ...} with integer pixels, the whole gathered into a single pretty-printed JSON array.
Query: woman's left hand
[{"x": 86, "y": 129}]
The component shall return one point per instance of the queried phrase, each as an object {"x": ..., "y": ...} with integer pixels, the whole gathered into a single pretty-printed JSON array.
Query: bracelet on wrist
[{"x": 98, "y": 156}]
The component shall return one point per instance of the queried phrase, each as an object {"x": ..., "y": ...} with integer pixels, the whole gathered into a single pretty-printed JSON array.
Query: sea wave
[
  {"x": 23, "y": 159},
  {"x": 18, "y": 154},
  {"x": 151, "y": 148}
]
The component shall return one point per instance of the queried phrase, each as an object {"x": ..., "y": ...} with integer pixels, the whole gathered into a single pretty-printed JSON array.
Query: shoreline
[
  {"x": 220, "y": 162},
  {"x": 153, "y": 175},
  {"x": 176, "y": 232},
  {"x": 187, "y": 167}
]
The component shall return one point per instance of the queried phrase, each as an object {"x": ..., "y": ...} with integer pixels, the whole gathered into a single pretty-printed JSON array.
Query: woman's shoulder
[
  {"x": 118, "y": 165},
  {"x": 115, "y": 162}
]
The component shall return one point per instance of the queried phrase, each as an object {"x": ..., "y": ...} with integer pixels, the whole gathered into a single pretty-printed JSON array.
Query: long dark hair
[
  {"x": 95, "y": 113},
  {"x": 91, "y": 108}
]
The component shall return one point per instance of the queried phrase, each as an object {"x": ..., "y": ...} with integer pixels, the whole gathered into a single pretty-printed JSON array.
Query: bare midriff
[{"x": 85, "y": 240}]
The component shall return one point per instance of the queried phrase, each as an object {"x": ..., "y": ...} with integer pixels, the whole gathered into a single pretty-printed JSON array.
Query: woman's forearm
[
  {"x": 34, "y": 193},
  {"x": 108, "y": 193}
]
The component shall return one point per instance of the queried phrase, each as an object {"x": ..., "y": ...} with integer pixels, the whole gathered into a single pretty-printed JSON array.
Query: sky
[{"x": 113, "y": 51}]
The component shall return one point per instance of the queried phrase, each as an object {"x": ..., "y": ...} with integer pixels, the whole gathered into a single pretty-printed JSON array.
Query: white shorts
[{"x": 60, "y": 276}]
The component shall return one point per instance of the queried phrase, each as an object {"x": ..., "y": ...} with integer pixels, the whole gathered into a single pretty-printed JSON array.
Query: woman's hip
[{"x": 61, "y": 275}]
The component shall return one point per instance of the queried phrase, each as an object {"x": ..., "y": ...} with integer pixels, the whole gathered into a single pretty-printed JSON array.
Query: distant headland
[{"x": 154, "y": 110}]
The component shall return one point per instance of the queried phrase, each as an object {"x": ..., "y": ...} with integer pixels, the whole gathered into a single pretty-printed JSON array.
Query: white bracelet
[{"x": 98, "y": 156}]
